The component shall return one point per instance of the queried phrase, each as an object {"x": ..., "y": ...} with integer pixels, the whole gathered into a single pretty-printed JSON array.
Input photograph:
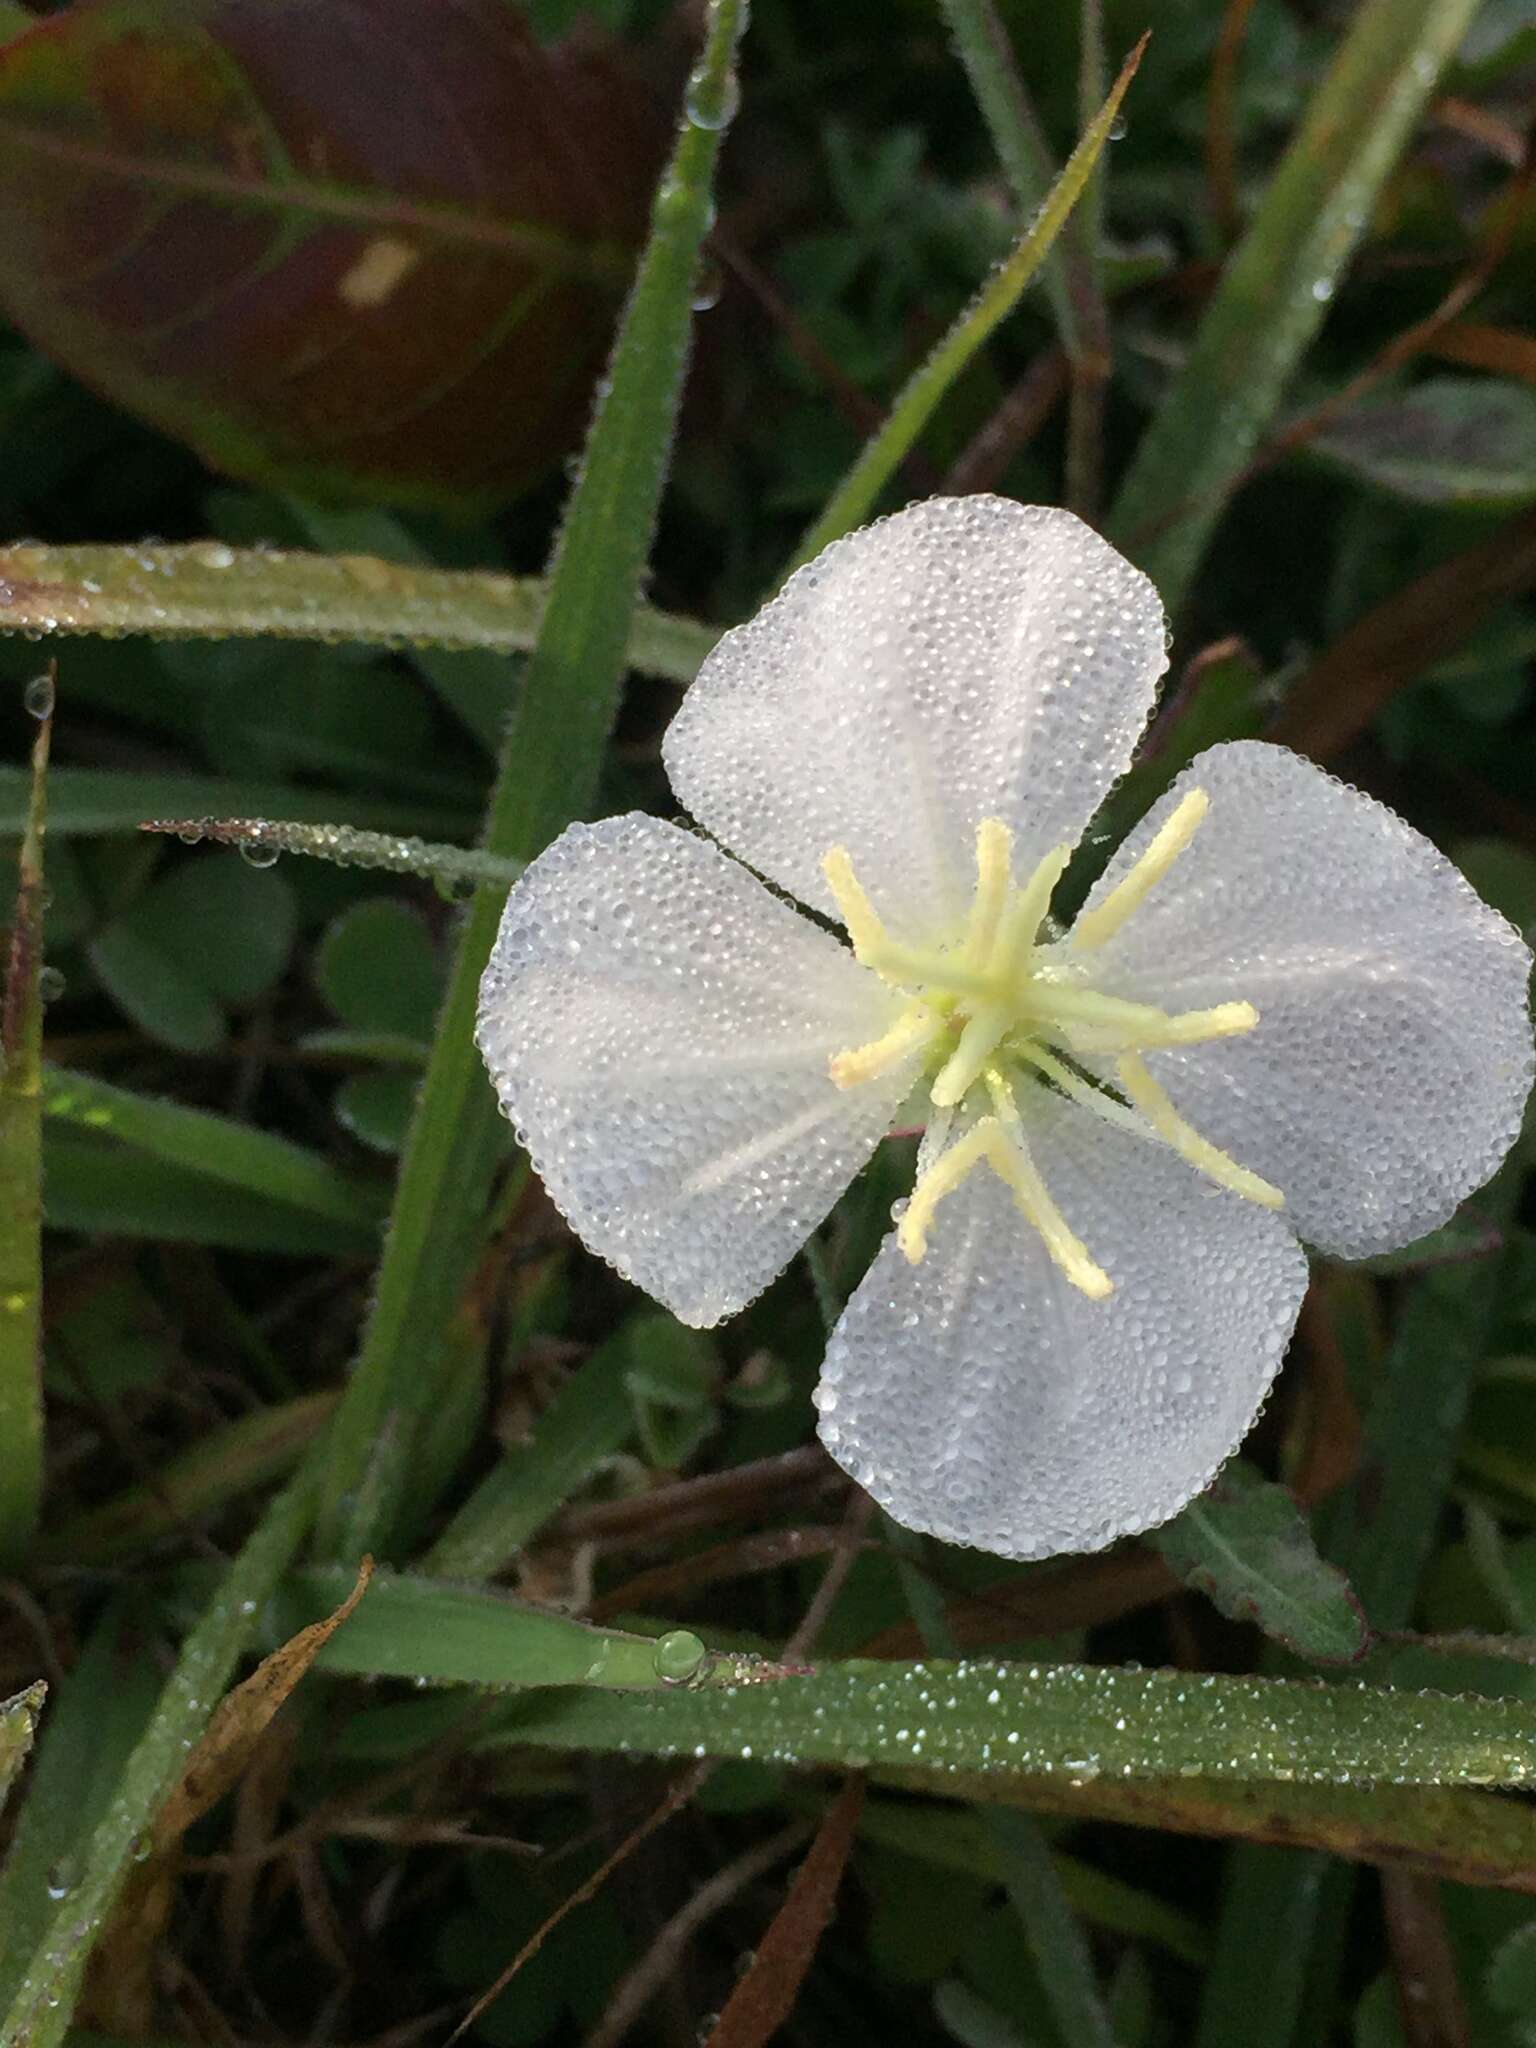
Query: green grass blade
[
  {"x": 21, "y": 1187},
  {"x": 589, "y": 1419},
  {"x": 257, "y": 1161},
  {"x": 1072, "y": 1720},
  {"x": 93, "y": 1721},
  {"x": 88, "y": 803},
  {"x": 855, "y": 497},
  {"x": 455, "y": 867},
  {"x": 419, "y": 1628},
  {"x": 49, "y": 1984},
  {"x": 100, "y": 1188},
  {"x": 203, "y": 590},
  {"x": 1274, "y": 293},
  {"x": 549, "y": 776}
]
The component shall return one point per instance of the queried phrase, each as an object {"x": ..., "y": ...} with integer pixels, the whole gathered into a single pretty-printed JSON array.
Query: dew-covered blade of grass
[
  {"x": 49, "y": 1980},
  {"x": 1274, "y": 293},
  {"x": 21, "y": 1185},
  {"x": 548, "y": 776},
  {"x": 855, "y": 497},
  {"x": 203, "y": 590},
  {"x": 1078, "y": 1720}
]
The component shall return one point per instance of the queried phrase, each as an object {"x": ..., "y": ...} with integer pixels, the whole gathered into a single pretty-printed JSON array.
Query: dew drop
[{"x": 38, "y": 695}]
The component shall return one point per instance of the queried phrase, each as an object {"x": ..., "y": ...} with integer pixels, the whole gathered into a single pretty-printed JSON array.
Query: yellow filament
[
  {"x": 1168, "y": 842},
  {"x": 860, "y": 918},
  {"x": 994, "y": 849},
  {"x": 1027, "y": 913},
  {"x": 1108, "y": 1023},
  {"x": 1206, "y": 1158},
  {"x": 869, "y": 1062},
  {"x": 989, "y": 1143}
]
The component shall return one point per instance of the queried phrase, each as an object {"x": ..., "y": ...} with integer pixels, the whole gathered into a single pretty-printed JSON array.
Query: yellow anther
[
  {"x": 861, "y": 920},
  {"x": 994, "y": 849},
  {"x": 1003, "y": 1149},
  {"x": 1168, "y": 842},
  {"x": 868, "y": 1062},
  {"x": 1206, "y": 1158}
]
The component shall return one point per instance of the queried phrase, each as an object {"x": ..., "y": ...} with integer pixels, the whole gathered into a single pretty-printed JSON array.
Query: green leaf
[
  {"x": 227, "y": 925},
  {"x": 1246, "y": 1545},
  {"x": 376, "y": 1108},
  {"x": 21, "y": 1195},
  {"x": 203, "y": 590},
  {"x": 437, "y": 303},
  {"x": 1275, "y": 291},
  {"x": 1447, "y": 441},
  {"x": 549, "y": 775},
  {"x": 378, "y": 969},
  {"x": 156, "y": 993}
]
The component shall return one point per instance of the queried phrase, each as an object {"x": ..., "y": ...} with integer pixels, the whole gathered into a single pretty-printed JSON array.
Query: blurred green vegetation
[{"x": 1315, "y": 422}]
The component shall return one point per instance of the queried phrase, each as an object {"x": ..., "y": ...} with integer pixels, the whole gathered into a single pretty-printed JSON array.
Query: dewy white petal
[
  {"x": 966, "y": 659},
  {"x": 982, "y": 1397},
  {"x": 659, "y": 1027},
  {"x": 1391, "y": 1062}
]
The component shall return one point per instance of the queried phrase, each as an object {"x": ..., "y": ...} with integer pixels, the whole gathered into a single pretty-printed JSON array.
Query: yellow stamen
[
  {"x": 1027, "y": 912},
  {"x": 994, "y": 848},
  {"x": 869, "y": 1062},
  {"x": 860, "y": 918},
  {"x": 1205, "y": 1157},
  {"x": 1109, "y": 1107},
  {"x": 989, "y": 1143},
  {"x": 1108, "y": 1023},
  {"x": 1168, "y": 842}
]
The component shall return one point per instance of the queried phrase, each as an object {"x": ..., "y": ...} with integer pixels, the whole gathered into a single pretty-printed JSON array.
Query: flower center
[{"x": 1008, "y": 1000}]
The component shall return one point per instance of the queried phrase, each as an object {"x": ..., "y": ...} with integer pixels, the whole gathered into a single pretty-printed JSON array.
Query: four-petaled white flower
[{"x": 1280, "y": 1014}]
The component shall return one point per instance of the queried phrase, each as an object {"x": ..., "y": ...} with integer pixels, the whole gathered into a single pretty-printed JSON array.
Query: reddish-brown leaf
[{"x": 375, "y": 244}]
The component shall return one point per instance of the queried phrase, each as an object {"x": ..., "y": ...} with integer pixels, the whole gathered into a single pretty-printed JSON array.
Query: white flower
[{"x": 1281, "y": 1013}]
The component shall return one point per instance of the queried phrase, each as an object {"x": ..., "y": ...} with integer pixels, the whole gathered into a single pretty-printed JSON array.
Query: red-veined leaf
[{"x": 374, "y": 244}]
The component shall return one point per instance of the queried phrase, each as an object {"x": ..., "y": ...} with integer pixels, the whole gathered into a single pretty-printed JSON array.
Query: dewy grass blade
[
  {"x": 203, "y": 590},
  {"x": 1274, "y": 293},
  {"x": 40, "y": 2012},
  {"x": 854, "y": 499},
  {"x": 90, "y": 803},
  {"x": 548, "y": 776},
  {"x": 455, "y": 868},
  {"x": 21, "y": 1183},
  {"x": 1068, "y": 1720}
]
